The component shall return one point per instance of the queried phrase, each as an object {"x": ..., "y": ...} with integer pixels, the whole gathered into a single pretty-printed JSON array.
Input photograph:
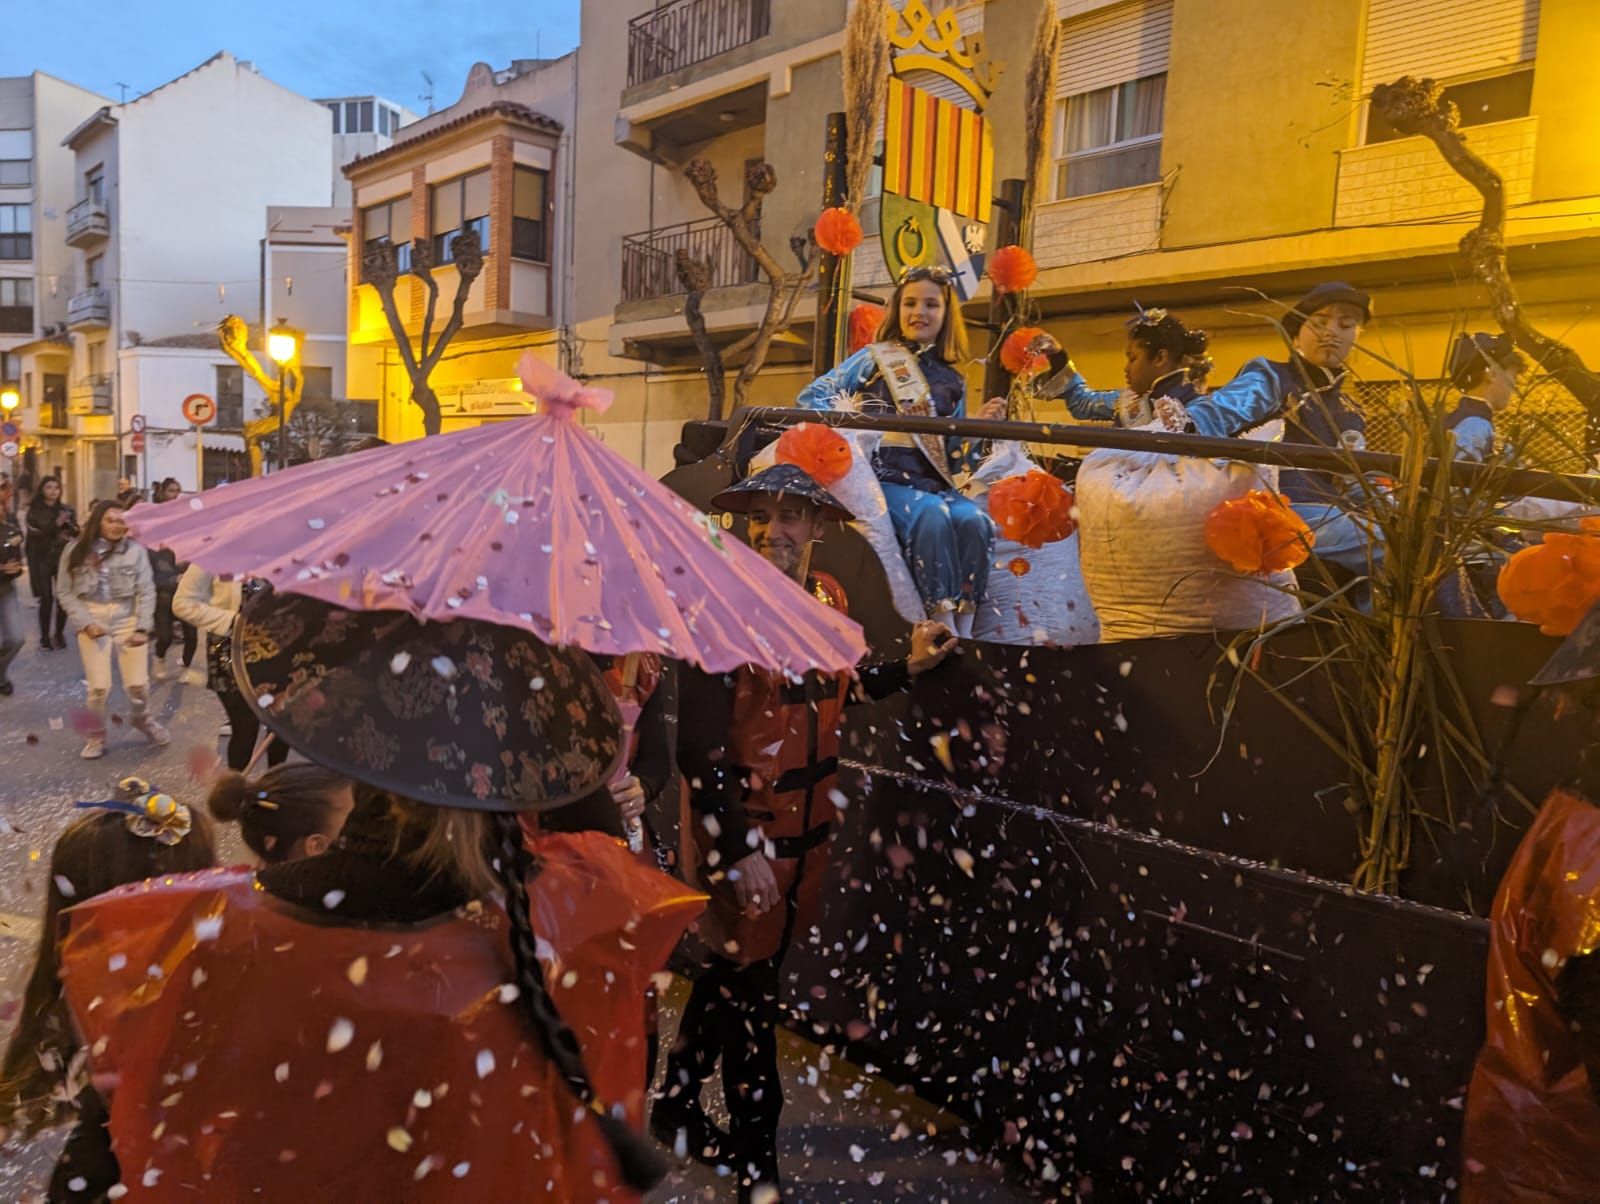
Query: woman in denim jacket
[{"x": 108, "y": 591}]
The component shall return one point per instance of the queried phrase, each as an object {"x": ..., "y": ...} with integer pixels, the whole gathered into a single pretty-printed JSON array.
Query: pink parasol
[{"x": 532, "y": 523}]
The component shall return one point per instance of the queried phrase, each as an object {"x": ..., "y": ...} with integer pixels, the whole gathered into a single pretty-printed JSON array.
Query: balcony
[
  {"x": 649, "y": 259},
  {"x": 88, "y": 222},
  {"x": 90, "y": 395},
  {"x": 90, "y": 308},
  {"x": 1407, "y": 180},
  {"x": 691, "y": 31}
]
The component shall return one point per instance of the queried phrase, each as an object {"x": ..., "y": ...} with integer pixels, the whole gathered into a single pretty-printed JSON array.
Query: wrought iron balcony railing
[
  {"x": 690, "y": 31},
  {"x": 650, "y": 259}
]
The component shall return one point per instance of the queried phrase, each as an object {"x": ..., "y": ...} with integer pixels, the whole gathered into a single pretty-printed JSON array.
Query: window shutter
[
  {"x": 1113, "y": 44},
  {"x": 1444, "y": 39}
]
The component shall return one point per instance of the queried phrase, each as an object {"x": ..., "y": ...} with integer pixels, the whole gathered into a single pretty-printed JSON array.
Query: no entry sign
[
  {"x": 137, "y": 442},
  {"x": 199, "y": 409}
]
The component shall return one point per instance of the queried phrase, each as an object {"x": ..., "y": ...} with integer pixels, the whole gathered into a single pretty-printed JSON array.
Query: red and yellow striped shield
[{"x": 937, "y": 152}]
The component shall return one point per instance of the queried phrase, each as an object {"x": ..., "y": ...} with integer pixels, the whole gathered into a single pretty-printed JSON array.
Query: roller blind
[
  {"x": 1114, "y": 44},
  {"x": 1444, "y": 39}
]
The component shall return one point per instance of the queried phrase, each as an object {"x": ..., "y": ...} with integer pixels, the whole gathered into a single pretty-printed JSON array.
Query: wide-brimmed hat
[
  {"x": 1472, "y": 351},
  {"x": 781, "y": 479},
  {"x": 1332, "y": 292},
  {"x": 1578, "y": 657},
  {"x": 462, "y": 714}
]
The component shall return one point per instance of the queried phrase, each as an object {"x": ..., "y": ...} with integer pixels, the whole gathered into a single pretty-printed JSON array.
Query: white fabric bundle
[
  {"x": 1048, "y": 604},
  {"x": 1141, "y": 532}
]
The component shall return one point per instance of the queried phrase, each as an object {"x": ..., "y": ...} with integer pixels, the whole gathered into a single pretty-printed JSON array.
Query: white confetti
[
  {"x": 485, "y": 1063},
  {"x": 375, "y": 1055},
  {"x": 281, "y": 1072},
  {"x": 356, "y": 972},
  {"x": 460, "y": 1169},
  {"x": 316, "y": 524},
  {"x": 116, "y": 962},
  {"x": 332, "y": 899},
  {"x": 68, "y": 891},
  {"x": 398, "y": 662},
  {"x": 208, "y": 928},
  {"x": 340, "y": 1035},
  {"x": 398, "y": 1139},
  {"x": 444, "y": 667},
  {"x": 423, "y": 1098}
]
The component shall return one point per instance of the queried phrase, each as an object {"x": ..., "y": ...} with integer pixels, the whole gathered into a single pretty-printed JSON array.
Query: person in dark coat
[{"x": 52, "y": 525}]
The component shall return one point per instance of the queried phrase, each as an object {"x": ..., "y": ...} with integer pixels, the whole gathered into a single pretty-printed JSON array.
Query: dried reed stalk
[
  {"x": 1038, "y": 104},
  {"x": 867, "y": 65}
]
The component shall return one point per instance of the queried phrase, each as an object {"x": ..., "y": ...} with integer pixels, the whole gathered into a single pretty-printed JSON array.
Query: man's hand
[
  {"x": 628, "y": 795},
  {"x": 755, "y": 889},
  {"x": 94, "y": 631},
  {"x": 993, "y": 410},
  {"x": 931, "y": 642}
]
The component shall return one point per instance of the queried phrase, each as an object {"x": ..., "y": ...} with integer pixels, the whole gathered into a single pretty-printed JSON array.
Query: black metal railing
[
  {"x": 650, "y": 259},
  {"x": 691, "y": 31}
]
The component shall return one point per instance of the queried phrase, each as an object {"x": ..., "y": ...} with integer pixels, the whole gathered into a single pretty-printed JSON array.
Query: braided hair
[{"x": 642, "y": 1168}]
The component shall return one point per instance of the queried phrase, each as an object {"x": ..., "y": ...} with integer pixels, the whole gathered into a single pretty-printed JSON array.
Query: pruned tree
[
  {"x": 783, "y": 288},
  {"x": 694, "y": 275},
  {"x": 380, "y": 268},
  {"x": 234, "y": 335},
  {"x": 1417, "y": 106}
]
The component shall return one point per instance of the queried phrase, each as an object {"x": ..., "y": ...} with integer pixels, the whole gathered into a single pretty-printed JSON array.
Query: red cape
[{"x": 264, "y": 1056}]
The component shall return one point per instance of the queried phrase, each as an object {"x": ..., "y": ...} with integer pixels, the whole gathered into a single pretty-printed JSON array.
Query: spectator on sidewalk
[
  {"x": 11, "y": 566},
  {"x": 167, "y": 569},
  {"x": 106, "y": 586},
  {"x": 212, "y": 606},
  {"x": 51, "y": 526}
]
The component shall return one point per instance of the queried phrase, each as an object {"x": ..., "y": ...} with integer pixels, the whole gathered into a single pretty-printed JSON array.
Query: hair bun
[
  {"x": 1195, "y": 342},
  {"x": 228, "y": 797}
]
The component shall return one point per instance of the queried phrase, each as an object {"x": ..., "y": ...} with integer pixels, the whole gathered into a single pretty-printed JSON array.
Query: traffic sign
[
  {"x": 199, "y": 409},
  {"x": 9, "y": 430},
  {"x": 9, "y": 449},
  {"x": 137, "y": 442},
  {"x": 136, "y": 424}
]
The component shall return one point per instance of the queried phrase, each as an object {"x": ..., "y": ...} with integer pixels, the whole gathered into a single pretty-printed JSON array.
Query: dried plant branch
[{"x": 866, "y": 66}]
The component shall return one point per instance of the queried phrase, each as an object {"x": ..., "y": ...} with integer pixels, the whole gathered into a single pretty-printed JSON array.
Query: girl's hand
[
  {"x": 994, "y": 410},
  {"x": 94, "y": 631},
  {"x": 138, "y": 639}
]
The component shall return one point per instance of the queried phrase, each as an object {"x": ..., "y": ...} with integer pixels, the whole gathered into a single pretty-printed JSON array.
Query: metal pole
[
  {"x": 1003, "y": 306},
  {"x": 830, "y": 308},
  {"x": 199, "y": 460},
  {"x": 283, "y": 429},
  {"x": 1522, "y": 482}
]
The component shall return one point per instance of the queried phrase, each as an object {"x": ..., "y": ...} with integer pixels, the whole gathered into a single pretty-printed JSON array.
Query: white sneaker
[
  {"x": 93, "y": 748},
  {"x": 156, "y": 733},
  {"x": 194, "y": 676}
]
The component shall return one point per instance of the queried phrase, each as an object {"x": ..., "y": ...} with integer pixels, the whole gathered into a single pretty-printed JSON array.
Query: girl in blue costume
[
  {"x": 1164, "y": 359},
  {"x": 1485, "y": 367},
  {"x": 912, "y": 369}
]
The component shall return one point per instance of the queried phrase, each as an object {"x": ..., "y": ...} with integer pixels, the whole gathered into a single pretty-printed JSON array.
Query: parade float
[{"x": 1198, "y": 914}]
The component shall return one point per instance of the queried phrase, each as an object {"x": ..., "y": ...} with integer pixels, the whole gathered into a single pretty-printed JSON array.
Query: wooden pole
[
  {"x": 1003, "y": 306},
  {"x": 834, "y": 281}
]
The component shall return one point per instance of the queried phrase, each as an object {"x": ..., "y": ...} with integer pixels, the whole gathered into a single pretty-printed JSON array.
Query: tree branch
[
  {"x": 466, "y": 252},
  {"x": 695, "y": 277},
  {"x": 422, "y": 268},
  {"x": 1418, "y": 107}
]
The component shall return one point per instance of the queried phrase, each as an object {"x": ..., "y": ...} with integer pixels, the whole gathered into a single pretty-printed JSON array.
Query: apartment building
[
  {"x": 37, "y": 191},
  {"x": 174, "y": 193},
  {"x": 362, "y": 125},
  {"x": 498, "y": 161}
]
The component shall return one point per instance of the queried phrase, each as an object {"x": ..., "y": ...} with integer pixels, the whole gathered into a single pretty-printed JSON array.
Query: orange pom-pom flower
[
  {"x": 1258, "y": 533},
  {"x": 1033, "y": 509},
  {"x": 1012, "y": 269},
  {"x": 1554, "y": 583},
  {"x": 837, "y": 231},
  {"x": 820, "y": 452},
  {"x": 864, "y": 322},
  {"x": 1015, "y": 357}
]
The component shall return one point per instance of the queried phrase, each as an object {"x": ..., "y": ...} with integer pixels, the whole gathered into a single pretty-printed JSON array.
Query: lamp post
[{"x": 283, "y": 347}]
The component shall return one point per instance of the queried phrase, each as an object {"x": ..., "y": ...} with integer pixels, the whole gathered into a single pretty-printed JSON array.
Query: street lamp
[
  {"x": 10, "y": 399},
  {"x": 283, "y": 347}
]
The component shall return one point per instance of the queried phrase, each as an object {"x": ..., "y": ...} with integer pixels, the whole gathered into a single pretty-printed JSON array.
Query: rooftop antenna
[
  {"x": 427, "y": 97},
  {"x": 123, "y": 99}
]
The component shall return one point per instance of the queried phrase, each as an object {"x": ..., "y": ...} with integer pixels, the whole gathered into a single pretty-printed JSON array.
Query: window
[
  {"x": 383, "y": 121},
  {"x": 230, "y": 396},
  {"x": 318, "y": 384},
  {"x": 366, "y": 117},
  {"x": 16, "y": 158},
  {"x": 394, "y": 121},
  {"x": 1109, "y": 138},
  {"x": 53, "y": 405},
  {"x": 530, "y": 201},
  {"x": 352, "y": 116},
  {"x": 16, "y": 231},
  {"x": 94, "y": 186},
  {"x": 388, "y": 224},
  {"x": 1497, "y": 98},
  {"x": 97, "y": 358},
  {"x": 16, "y": 305},
  {"x": 334, "y": 109},
  {"x": 92, "y": 269},
  {"x": 457, "y": 205}
]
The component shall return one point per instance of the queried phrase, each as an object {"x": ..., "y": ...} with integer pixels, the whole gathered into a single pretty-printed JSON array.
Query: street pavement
[{"x": 848, "y": 1136}]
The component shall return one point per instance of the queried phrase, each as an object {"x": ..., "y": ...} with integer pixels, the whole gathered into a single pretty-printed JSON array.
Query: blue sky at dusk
[{"x": 311, "y": 46}]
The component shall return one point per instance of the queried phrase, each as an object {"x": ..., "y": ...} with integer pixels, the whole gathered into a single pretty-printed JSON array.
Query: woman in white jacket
[
  {"x": 105, "y": 585},
  {"x": 211, "y": 606}
]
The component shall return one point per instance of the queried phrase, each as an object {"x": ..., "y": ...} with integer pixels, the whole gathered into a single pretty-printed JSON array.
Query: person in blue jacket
[
  {"x": 1307, "y": 392},
  {"x": 913, "y": 369},
  {"x": 1164, "y": 359},
  {"x": 1485, "y": 367}
]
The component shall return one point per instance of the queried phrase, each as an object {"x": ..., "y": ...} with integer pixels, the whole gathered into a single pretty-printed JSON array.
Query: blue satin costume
[
  {"x": 946, "y": 538},
  {"x": 1311, "y": 401},
  {"x": 1065, "y": 384},
  {"x": 1473, "y": 423}
]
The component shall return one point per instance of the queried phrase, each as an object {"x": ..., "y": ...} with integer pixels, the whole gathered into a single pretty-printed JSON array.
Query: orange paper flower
[
  {"x": 1258, "y": 533},
  {"x": 819, "y": 451},
  {"x": 1554, "y": 583},
  {"x": 1033, "y": 509},
  {"x": 1015, "y": 357},
  {"x": 864, "y": 322},
  {"x": 1012, "y": 269},
  {"x": 837, "y": 231}
]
